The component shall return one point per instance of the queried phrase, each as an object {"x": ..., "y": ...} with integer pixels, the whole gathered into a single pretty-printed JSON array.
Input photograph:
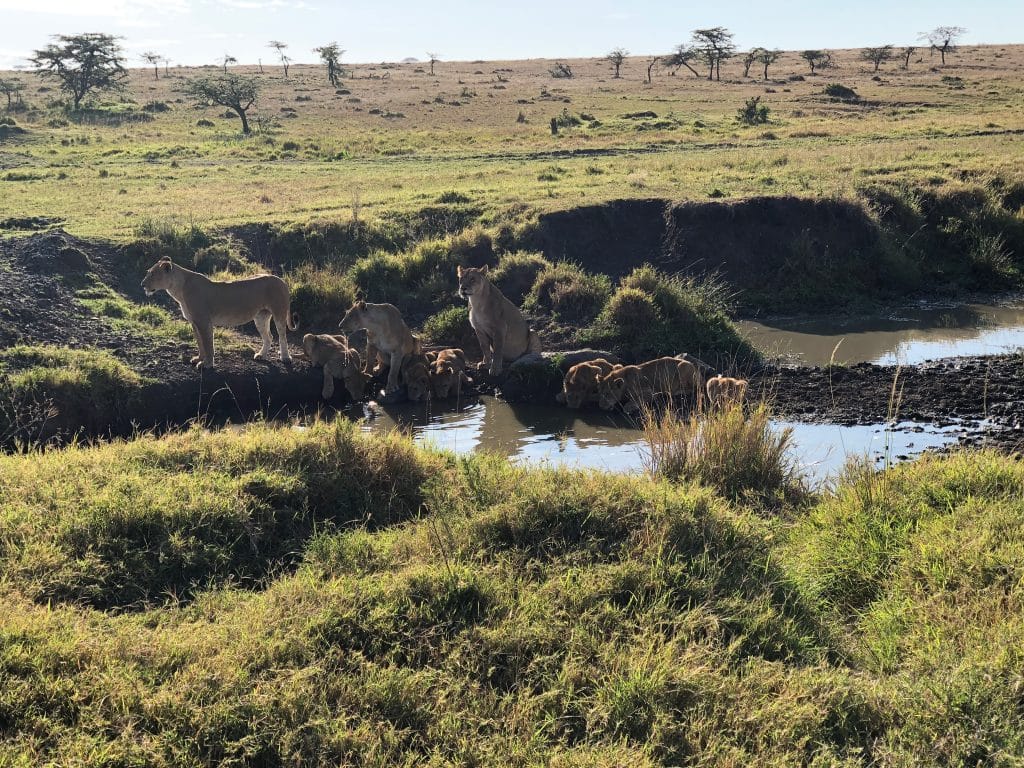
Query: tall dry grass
[{"x": 734, "y": 449}]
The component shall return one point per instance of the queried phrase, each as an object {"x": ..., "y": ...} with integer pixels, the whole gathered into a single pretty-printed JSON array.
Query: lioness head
[
  {"x": 472, "y": 280},
  {"x": 611, "y": 388},
  {"x": 159, "y": 276},
  {"x": 353, "y": 319}
]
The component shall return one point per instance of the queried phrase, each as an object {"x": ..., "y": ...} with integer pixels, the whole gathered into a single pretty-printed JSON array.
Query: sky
[{"x": 193, "y": 32}]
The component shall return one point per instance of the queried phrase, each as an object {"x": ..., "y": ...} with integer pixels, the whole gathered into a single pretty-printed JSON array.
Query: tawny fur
[
  {"x": 448, "y": 373},
  {"x": 500, "y": 327},
  {"x": 339, "y": 361},
  {"x": 388, "y": 338},
  {"x": 579, "y": 387},
  {"x": 724, "y": 391},
  {"x": 206, "y": 303},
  {"x": 637, "y": 385}
]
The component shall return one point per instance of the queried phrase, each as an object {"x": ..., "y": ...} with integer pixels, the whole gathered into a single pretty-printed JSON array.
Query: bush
[
  {"x": 450, "y": 327},
  {"x": 381, "y": 278},
  {"x": 516, "y": 273},
  {"x": 472, "y": 248},
  {"x": 841, "y": 92},
  {"x": 172, "y": 237},
  {"x": 742, "y": 456},
  {"x": 753, "y": 112},
  {"x": 691, "y": 314},
  {"x": 569, "y": 293},
  {"x": 321, "y": 297}
]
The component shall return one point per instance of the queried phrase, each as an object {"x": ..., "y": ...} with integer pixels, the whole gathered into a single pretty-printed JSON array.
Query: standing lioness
[
  {"x": 387, "y": 337},
  {"x": 500, "y": 327},
  {"x": 206, "y": 303}
]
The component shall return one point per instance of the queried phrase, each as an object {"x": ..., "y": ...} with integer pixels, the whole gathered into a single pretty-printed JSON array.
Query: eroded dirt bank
[{"x": 49, "y": 286}]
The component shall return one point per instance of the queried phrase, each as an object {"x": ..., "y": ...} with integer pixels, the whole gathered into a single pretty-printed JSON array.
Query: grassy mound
[{"x": 320, "y": 597}]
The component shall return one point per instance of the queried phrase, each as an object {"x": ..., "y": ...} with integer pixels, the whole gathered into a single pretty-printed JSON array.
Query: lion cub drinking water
[
  {"x": 638, "y": 384},
  {"x": 387, "y": 336},
  {"x": 500, "y": 327},
  {"x": 206, "y": 303},
  {"x": 339, "y": 361}
]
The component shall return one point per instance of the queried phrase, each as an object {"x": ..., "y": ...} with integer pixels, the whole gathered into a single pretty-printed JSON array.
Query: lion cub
[
  {"x": 448, "y": 373},
  {"x": 416, "y": 377},
  {"x": 388, "y": 338},
  {"x": 723, "y": 391},
  {"x": 581, "y": 381},
  {"x": 638, "y": 384},
  {"x": 339, "y": 361},
  {"x": 500, "y": 327}
]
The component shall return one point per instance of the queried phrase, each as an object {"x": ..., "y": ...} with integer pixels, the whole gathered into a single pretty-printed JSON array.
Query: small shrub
[
  {"x": 320, "y": 296},
  {"x": 742, "y": 456},
  {"x": 565, "y": 119},
  {"x": 753, "y": 112},
  {"x": 841, "y": 92},
  {"x": 472, "y": 248},
  {"x": 516, "y": 273},
  {"x": 569, "y": 293},
  {"x": 204, "y": 123},
  {"x": 632, "y": 310},
  {"x": 450, "y": 327},
  {"x": 156, "y": 106}
]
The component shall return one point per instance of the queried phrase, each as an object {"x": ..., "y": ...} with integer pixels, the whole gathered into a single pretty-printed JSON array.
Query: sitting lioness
[
  {"x": 500, "y": 327},
  {"x": 580, "y": 384},
  {"x": 638, "y": 384},
  {"x": 723, "y": 391},
  {"x": 388, "y": 338},
  {"x": 416, "y": 377},
  {"x": 448, "y": 373},
  {"x": 206, "y": 303},
  {"x": 339, "y": 361}
]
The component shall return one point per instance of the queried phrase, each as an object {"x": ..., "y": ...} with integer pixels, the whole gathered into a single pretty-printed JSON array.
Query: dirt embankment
[{"x": 43, "y": 279}]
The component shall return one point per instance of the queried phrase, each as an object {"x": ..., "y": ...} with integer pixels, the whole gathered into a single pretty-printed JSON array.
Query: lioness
[
  {"x": 638, "y": 384},
  {"x": 581, "y": 381},
  {"x": 388, "y": 338},
  {"x": 339, "y": 361},
  {"x": 416, "y": 377},
  {"x": 206, "y": 303},
  {"x": 448, "y": 373},
  {"x": 500, "y": 327},
  {"x": 723, "y": 391}
]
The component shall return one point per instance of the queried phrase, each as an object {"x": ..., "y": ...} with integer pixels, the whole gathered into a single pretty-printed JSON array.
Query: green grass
[{"x": 317, "y": 597}]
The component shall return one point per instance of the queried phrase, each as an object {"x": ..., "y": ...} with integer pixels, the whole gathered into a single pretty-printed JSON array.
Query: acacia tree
[
  {"x": 615, "y": 57},
  {"x": 83, "y": 63},
  {"x": 226, "y": 59},
  {"x": 167, "y": 63},
  {"x": 877, "y": 55},
  {"x": 278, "y": 46},
  {"x": 748, "y": 60},
  {"x": 816, "y": 59},
  {"x": 154, "y": 59},
  {"x": 766, "y": 58},
  {"x": 681, "y": 57},
  {"x": 943, "y": 39},
  {"x": 713, "y": 46},
  {"x": 330, "y": 55},
  {"x": 650, "y": 66},
  {"x": 434, "y": 59},
  {"x": 907, "y": 52},
  {"x": 236, "y": 92},
  {"x": 12, "y": 90}
]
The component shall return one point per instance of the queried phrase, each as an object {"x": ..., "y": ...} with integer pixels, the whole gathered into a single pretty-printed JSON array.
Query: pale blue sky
[{"x": 199, "y": 31}]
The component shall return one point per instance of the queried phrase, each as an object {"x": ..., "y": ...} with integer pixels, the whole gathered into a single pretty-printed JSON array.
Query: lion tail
[{"x": 293, "y": 321}]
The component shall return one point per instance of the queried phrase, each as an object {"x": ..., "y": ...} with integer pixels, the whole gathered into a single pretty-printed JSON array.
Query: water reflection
[
  {"x": 593, "y": 439},
  {"x": 907, "y": 337}
]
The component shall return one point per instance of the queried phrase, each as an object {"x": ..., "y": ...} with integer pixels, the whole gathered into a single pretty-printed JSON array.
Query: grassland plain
[
  {"x": 394, "y": 138},
  {"x": 282, "y": 597}
]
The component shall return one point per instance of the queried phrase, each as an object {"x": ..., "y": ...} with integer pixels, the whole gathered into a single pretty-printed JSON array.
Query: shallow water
[
  {"x": 593, "y": 439},
  {"x": 907, "y": 336}
]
